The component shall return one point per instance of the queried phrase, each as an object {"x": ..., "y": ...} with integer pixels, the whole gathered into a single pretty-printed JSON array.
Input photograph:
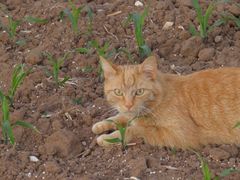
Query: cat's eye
[
  {"x": 118, "y": 92},
  {"x": 139, "y": 92}
]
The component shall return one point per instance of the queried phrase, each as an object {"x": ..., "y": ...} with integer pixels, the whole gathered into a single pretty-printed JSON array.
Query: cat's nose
[{"x": 128, "y": 105}]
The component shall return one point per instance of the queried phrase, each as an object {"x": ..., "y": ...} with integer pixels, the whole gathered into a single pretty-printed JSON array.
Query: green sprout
[
  {"x": 202, "y": 19},
  {"x": 90, "y": 20},
  {"x": 11, "y": 28},
  {"x": 122, "y": 129},
  {"x": 126, "y": 52},
  {"x": 73, "y": 16},
  {"x": 18, "y": 76},
  {"x": 36, "y": 20},
  {"x": 138, "y": 20},
  {"x": 56, "y": 65},
  {"x": 7, "y": 127},
  {"x": 226, "y": 17},
  {"x": 208, "y": 175}
]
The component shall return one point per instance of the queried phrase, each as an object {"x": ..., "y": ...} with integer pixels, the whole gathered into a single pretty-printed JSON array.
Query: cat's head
[{"x": 131, "y": 89}]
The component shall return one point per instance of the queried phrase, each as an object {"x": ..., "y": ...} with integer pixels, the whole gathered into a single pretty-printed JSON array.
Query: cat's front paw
[
  {"x": 102, "y": 126},
  {"x": 102, "y": 140}
]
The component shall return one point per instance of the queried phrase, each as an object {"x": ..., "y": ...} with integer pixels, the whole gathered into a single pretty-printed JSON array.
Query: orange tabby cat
[{"x": 174, "y": 111}]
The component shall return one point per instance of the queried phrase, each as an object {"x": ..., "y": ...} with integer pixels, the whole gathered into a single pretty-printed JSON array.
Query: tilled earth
[{"x": 66, "y": 147}]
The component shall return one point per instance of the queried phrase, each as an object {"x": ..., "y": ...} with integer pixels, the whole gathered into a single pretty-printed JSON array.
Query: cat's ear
[
  {"x": 149, "y": 67},
  {"x": 108, "y": 68}
]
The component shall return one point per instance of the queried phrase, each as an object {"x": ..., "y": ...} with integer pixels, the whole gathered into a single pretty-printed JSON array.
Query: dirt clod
[
  {"x": 63, "y": 143},
  {"x": 206, "y": 54}
]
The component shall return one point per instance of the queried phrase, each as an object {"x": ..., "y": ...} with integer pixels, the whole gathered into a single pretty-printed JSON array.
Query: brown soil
[{"x": 66, "y": 147}]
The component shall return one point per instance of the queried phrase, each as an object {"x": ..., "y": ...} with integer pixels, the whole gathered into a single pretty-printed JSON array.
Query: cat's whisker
[{"x": 149, "y": 111}]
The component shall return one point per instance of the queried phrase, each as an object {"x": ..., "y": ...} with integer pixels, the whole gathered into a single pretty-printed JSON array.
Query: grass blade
[
  {"x": 8, "y": 132},
  {"x": 82, "y": 50},
  {"x": 5, "y": 109},
  {"x": 64, "y": 80},
  {"x": 228, "y": 171},
  {"x": 205, "y": 169},
  {"x": 193, "y": 30},
  {"x": 1, "y": 96},
  {"x": 35, "y": 20},
  {"x": 26, "y": 125}
]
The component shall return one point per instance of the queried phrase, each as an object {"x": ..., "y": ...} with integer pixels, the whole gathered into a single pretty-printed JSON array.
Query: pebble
[
  {"x": 167, "y": 25},
  {"x": 218, "y": 39},
  {"x": 138, "y": 3},
  {"x": 33, "y": 159}
]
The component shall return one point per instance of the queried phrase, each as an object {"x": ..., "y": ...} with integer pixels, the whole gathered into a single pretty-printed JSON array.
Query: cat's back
[{"x": 212, "y": 96}]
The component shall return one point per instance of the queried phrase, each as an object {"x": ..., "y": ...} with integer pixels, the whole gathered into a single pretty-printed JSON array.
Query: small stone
[
  {"x": 33, "y": 159},
  {"x": 138, "y": 3},
  {"x": 84, "y": 143},
  {"x": 206, "y": 54},
  {"x": 218, "y": 39},
  {"x": 167, "y": 25}
]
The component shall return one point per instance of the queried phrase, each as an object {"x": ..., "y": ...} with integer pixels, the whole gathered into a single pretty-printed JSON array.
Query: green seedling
[
  {"x": 11, "y": 28},
  {"x": 7, "y": 127},
  {"x": 17, "y": 78},
  {"x": 127, "y": 53},
  {"x": 56, "y": 65},
  {"x": 73, "y": 16},
  {"x": 138, "y": 20},
  {"x": 82, "y": 50},
  {"x": 102, "y": 51},
  {"x": 90, "y": 20},
  {"x": 36, "y": 20},
  {"x": 226, "y": 17},
  {"x": 122, "y": 129},
  {"x": 202, "y": 19},
  {"x": 208, "y": 175}
]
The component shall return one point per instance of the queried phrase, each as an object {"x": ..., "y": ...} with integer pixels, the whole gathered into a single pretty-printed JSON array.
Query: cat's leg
[
  {"x": 107, "y": 125},
  {"x": 131, "y": 132}
]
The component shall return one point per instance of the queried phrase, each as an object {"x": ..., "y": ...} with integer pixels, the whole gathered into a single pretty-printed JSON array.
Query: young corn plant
[
  {"x": 11, "y": 28},
  {"x": 138, "y": 20},
  {"x": 226, "y": 17},
  {"x": 56, "y": 65},
  {"x": 202, "y": 19},
  {"x": 6, "y": 126},
  {"x": 208, "y": 175},
  {"x": 17, "y": 78},
  {"x": 122, "y": 131},
  {"x": 73, "y": 16},
  {"x": 90, "y": 20}
]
